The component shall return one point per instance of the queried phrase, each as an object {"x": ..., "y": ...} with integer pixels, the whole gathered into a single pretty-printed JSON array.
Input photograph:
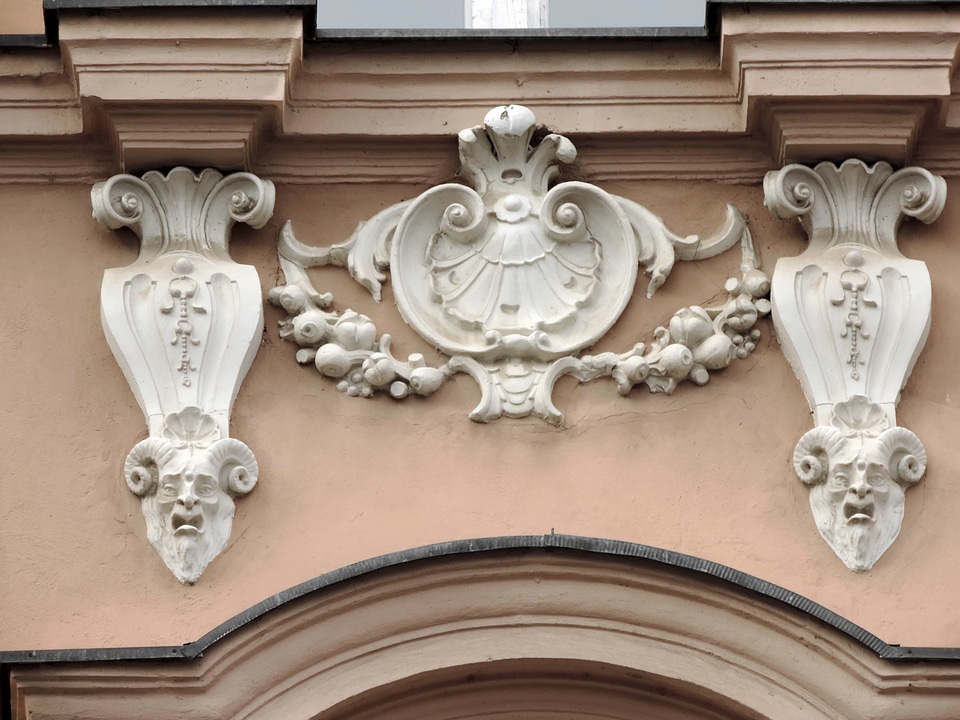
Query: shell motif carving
[
  {"x": 511, "y": 275},
  {"x": 852, "y": 315},
  {"x": 184, "y": 322},
  {"x": 483, "y": 279}
]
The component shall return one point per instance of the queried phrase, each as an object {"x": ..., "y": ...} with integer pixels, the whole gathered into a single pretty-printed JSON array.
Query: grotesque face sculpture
[
  {"x": 187, "y": 497},
  {"x": 858, "y": 507},
  {"x": 189, "y": 514},
  {"x": 857, "y": 483}
]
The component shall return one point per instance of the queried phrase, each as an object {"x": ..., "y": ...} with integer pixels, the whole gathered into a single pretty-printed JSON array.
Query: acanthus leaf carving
[
  {"x": 511, "y": 277},
  {"x": 184, "y": 322},
  {"x": 853, "y": 314}
]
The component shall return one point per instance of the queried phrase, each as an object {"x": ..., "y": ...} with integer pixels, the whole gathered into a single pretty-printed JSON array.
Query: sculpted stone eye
[
  {"x": 206, "y": 490},
  {"x": 169, "y": 490}
]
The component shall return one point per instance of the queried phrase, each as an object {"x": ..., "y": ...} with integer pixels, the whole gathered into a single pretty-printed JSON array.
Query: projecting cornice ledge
[
  {"x": 841, "y": 80},
  {"x": 236, "y": 87},
  {"x": 201, "y": 88}
]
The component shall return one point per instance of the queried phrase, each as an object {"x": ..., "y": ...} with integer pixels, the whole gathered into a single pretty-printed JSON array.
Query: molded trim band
[{"x": 482, "y": 545}]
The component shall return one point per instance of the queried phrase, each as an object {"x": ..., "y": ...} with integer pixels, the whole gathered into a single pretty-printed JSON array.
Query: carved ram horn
[
  {"x": 238, "y": 466},
  {"x": 141, "y": 467},
  {"x": 811, "y": 459},
  {"x": 908, "y": 458}
]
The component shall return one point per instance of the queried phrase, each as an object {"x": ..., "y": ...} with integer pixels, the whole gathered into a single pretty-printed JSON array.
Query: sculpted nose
[
  {"x": 861, "y": 487},
  {"x": 187, "y": 500}
]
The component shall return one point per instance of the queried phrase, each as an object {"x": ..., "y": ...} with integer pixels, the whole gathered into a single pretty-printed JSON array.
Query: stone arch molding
[
  {"x": 475, "y": 632},
  {"x": 512, "y": 276}
]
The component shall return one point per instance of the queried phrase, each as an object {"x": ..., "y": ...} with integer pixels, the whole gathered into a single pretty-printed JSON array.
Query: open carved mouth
[
  {"x": 858, "y": 512},
  {"x": 191, "y": 524}
]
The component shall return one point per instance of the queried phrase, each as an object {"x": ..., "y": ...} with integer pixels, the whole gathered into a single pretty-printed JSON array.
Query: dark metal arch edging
[{"x": 598, "y": 546}]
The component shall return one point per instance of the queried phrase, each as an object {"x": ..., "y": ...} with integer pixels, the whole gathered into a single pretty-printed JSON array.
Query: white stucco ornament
[
  {"x": 184, "y": 322},
  {"x": 853, "y": 314},
  {"x": 511, "y": 276}
]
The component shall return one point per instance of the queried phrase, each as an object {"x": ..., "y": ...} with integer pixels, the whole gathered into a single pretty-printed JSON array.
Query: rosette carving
[
  {"x": 184, "y": 322},
  {"x": 853, "y": 315},
  {"x": 512, "y": 276}
]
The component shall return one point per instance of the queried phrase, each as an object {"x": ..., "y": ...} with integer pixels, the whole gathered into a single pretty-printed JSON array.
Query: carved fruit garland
[
  {"x": 184, "y": 322},
  {"x": 852, "y": 315},
  {"x": 511, "y": 276}
]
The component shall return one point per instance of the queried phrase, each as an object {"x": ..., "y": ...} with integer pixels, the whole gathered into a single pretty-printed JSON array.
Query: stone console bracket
[
  {"x": 852, "y": 315},
  {"x": 184, "y": 322},
  {"x": 203, "y": 90}
]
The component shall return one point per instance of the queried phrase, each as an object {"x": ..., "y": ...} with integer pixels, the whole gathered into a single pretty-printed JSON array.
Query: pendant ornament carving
[
  {"x": 184, "y": 322},
  {"x": 852, "y": 315},
  {"x": 511, "y": 276}
]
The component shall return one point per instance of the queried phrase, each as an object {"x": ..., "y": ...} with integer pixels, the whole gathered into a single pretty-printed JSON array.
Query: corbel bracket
[
  {"x": 853, "y": 314},
  {"x": 184, "y": 322},
  {"x": 197, "y": 89}
]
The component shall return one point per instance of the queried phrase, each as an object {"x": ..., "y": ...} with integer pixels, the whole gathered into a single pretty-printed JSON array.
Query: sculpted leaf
[{"x": 512, "y": 276}]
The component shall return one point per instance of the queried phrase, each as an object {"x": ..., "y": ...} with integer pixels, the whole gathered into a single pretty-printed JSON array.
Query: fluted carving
[
  {"x": 852, "y": 315},
  {"x": 184, "y": 322}
]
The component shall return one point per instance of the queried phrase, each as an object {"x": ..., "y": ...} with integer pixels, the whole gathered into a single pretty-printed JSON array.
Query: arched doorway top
[
  {"x": 633, "y": 627},
  {"x": 645, "y": 554},
  {"x": 597, "y": 546}
]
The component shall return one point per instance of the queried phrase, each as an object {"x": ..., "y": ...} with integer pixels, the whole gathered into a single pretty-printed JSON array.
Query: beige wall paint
[
  {"x": 21, "y": 17},
  {"x": 706, "y": 472}
]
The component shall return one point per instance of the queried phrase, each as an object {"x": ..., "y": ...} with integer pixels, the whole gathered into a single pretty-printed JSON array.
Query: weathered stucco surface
[
  {"x": 18, "y": 17},
  {"x": 706, "y": 472},
  {"x": 348, "y": 128}
]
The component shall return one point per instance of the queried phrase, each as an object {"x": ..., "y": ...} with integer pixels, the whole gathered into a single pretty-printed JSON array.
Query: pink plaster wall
[
  {"x": 21, "y": 17},
  {"x": 706, "y": 471}
]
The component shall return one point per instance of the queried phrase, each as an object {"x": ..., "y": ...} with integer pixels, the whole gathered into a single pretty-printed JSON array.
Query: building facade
[{"x": 448, "y": 375}]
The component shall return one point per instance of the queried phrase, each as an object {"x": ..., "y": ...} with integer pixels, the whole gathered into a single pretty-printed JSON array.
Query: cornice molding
[
  {"x": 237, "y": 88},
  {"x": 197, "y": 89}
]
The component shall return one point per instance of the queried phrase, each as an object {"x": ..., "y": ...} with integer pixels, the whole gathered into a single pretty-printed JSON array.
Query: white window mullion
[{"x": 506, "y": 14}]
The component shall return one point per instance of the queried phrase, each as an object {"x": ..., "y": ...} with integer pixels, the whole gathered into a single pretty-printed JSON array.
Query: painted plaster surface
[
  {"x": 707, "y": 471},
  {"x": 21, "y": 17}
]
